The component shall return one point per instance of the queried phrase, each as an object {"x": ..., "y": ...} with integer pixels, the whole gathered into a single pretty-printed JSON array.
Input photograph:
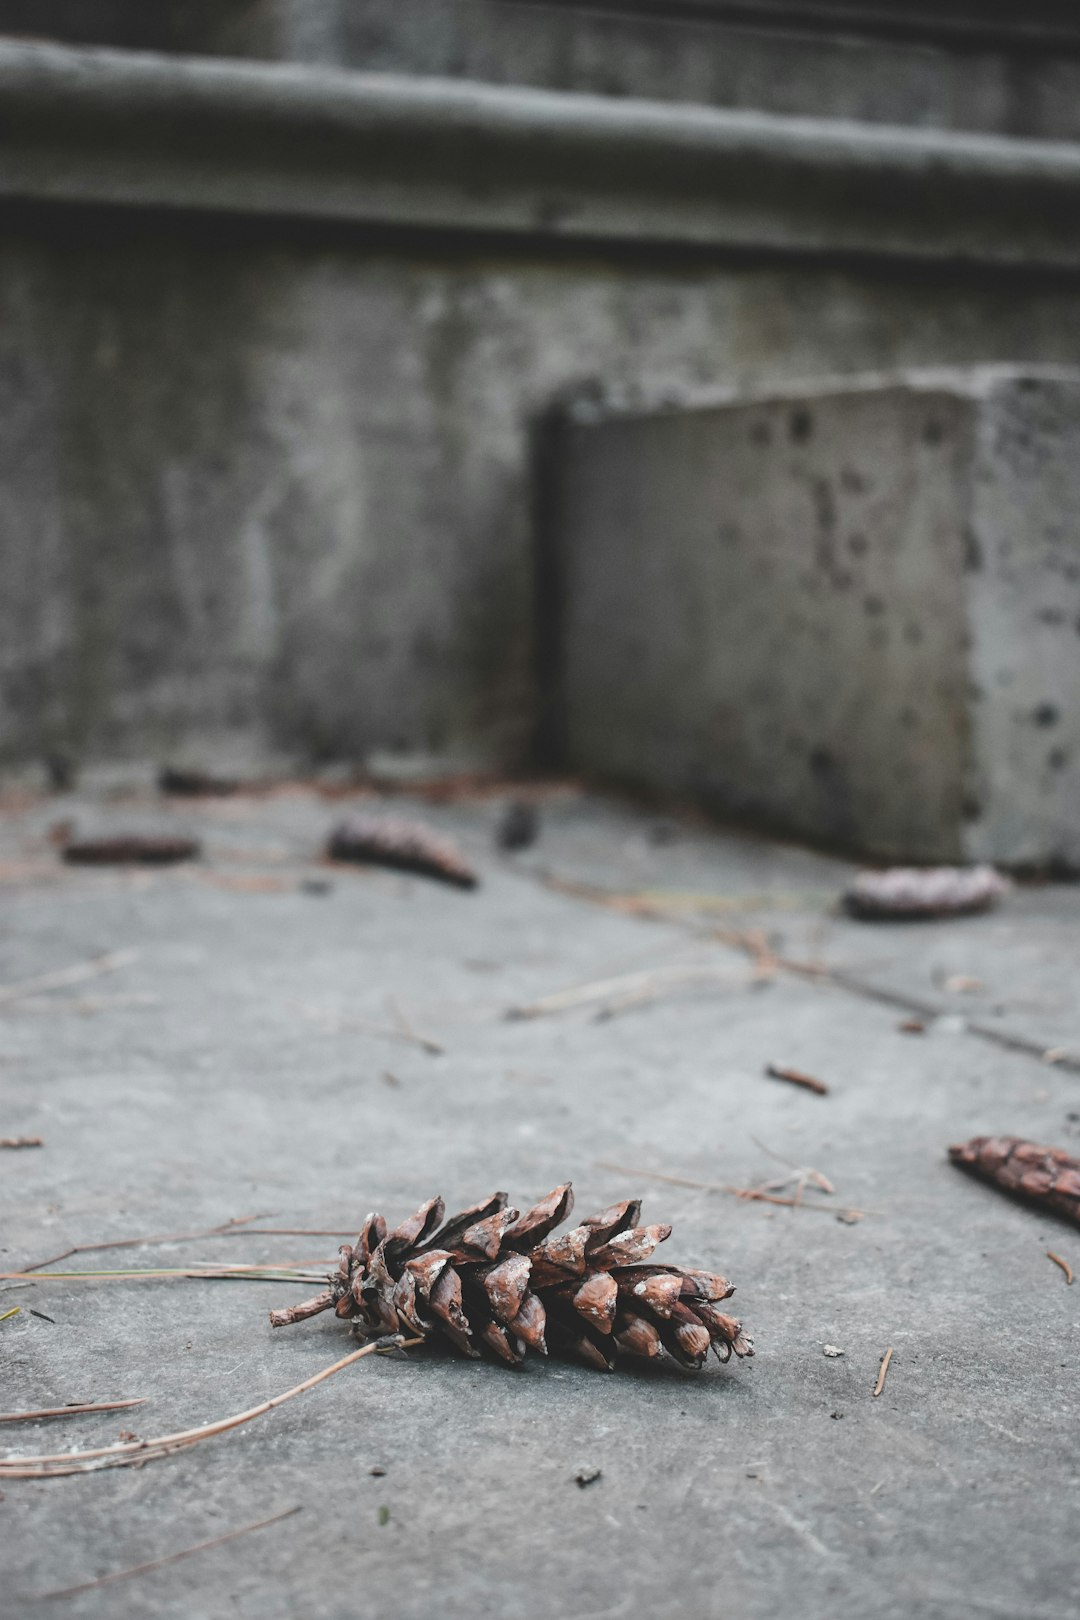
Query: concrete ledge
[
  {"x": 87, "y": 126},
  {"x": 849, "y": 611}
]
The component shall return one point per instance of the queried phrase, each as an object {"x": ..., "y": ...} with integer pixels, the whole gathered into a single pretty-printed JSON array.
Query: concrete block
[{"x": 851, "y": 611}]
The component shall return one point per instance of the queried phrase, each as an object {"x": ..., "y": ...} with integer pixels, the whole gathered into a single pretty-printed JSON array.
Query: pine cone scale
[{"x": 493, "y": 1278}]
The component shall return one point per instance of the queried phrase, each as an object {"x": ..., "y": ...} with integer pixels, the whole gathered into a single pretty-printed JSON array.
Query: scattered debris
[
  {"x": 795, "y": 1077},
  {"x": 61, "y": 978},
  {"x": 495, "y": 1278},
  {"x": 1042, "y": 1175},
  {"x": 41, "y": 1316},
  {"x": 883, "y": 1371},
  {"x": 377, "y": 1471},
  {"x": 407, "y": 846},
  {"x": 136, "y": 1452},
  {"x": 587, "y": 1475},
  {"x": 749, "y": 1194},
  {"x": 1064, "y": 1264},
  {"x": 191, "y": 784},
  {"x": 518, "y": 826},
  {"x": 831, "y": 1350},
  {"x": 384, "y": 1513},
  {"x": 21, "y": 1141},
  {"x": 73, "y": 1409},
  {"x": 916, "y": 892},
  {"x": 169, "y": 1558},
  {"x": 130, "y": 849},
  {"x": 912, "y": 1026}
]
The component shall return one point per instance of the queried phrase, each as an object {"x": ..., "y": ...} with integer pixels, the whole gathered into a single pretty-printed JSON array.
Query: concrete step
[{"x": 850, "y": 610}]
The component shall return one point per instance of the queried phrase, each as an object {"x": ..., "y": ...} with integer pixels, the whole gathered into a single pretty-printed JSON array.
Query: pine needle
[
  {"x": 74, "y": 1410},
  {"x": 169, "y": 1558},
  {"x": 134, "y": 1452}
]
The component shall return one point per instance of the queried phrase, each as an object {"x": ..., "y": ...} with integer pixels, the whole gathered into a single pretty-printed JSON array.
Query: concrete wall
[
  {"x": 953, "y": 65},
  {"x": 279, "y": 490},
  {"x": 273, "y": 340}
]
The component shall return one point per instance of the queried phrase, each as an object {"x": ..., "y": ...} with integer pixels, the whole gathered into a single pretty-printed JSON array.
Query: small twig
[
  {"x": 796, "y": 1077},
  {"x": 61, "y": 977},
  {"x": 21, "y": 1141},
  {"x": 1064, "y": 1264},
  {"x": 335, "y": 1024},
  {"x": 169, "y": 1558},
  {"x": 50, "y": 1465},
  {"x": 628, "y": 989},
  {"x": 73, "y": 1410},
  {"x": 748, "y": 1194},
  {"x": 406, "y": 1029},
  {"x": 883, "y": 1371},
  {"x": 14, "y": 1311}
]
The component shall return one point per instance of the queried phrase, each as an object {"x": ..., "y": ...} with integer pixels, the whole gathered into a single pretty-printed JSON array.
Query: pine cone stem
[
  {"x": 300, "y": 1313},
  {"x": 490, "y": 1278}
]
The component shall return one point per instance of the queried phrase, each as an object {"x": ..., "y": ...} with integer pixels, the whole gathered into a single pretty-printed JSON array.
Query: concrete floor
[{"x": 229, "y": 1067}]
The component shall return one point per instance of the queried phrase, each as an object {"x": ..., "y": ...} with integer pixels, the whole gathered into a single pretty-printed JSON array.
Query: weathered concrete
[
  {"x": 266, "y": 483},
  {"x": 953, "y": 65},
  {"x": 224, "y": 1071},
  {"x": 140, "y": 129},
  {"x": 851, "y": 611}
]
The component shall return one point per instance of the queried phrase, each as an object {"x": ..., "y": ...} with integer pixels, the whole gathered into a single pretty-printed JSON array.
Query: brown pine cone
[
  {"x": 491, "y": 1277},
  {"x": 1044, "y": 1175},
  {"x": 408, "y": 846}
]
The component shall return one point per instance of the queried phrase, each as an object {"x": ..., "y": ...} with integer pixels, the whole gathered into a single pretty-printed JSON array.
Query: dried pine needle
[{"x": 135, "y": 1452}]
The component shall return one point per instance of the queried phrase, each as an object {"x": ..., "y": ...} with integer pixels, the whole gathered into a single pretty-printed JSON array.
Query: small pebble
[
  {"x": 586, "y": 1476},
  {"x": 832, "y": 1350},
  {"x": 377, "y": 1471}
]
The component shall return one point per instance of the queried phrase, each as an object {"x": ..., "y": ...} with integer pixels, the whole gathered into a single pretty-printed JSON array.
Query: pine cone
[
  {"x": 491, "y": 1277},
  {"x": 407, "y": 845},
  {"x": 905, "y": 892},
  {"x": 1044, "y": 1175}
]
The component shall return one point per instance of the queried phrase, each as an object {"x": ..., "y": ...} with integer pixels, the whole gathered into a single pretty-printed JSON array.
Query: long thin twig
[
  {"x": 21, "y": 1141},
  {"x": 244, "y": 1273},
  {"x": 126, "y": 1453},
  {"x": 169, "y": 1558},
  {"x": 73, "y": 1410},
  {"x": 883, "y": 1372},
  {"x": 625, "y": 990},
  {"x": 748, "y": 1194},
  {"x": 61, "y": 977},
  {"x": 227, "y": 1229}
]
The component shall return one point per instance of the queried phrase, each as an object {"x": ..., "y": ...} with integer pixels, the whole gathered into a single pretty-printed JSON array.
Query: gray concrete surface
[
  {"x": 849, "y": 609},
  {"x": 226, "y": 1070}
]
